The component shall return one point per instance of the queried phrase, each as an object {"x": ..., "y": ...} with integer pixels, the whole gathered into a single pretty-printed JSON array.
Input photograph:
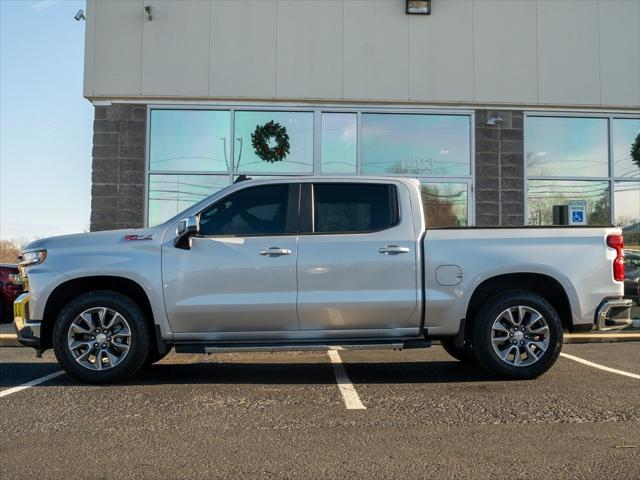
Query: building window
[
  {"x": 194, "y": 152},
  {"x": 189, "y": 140},
  {"x": 171, "y": 194},
  {"x": 544, "y": 194},
  {"x": 445, "y": 204},
  {"x": 567, "y": 147},
  {"x": 583, "y": 158},
  {"x": 299, "y": 127},
  {"x": 434, "y": 145},
  {"x": 339, "y": 151}
]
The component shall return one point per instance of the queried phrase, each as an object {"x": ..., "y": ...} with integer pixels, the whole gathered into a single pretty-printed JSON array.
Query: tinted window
[
  {"x": 349, "y": 207},
  {"x": 253, "y": 211},
  {"x": 434, "y": 145},
  {"x": 560, "y": 146},
  {"x": 339, "y": 142},
  {"x": 189, "y": 140},
  {"x": 299, "y": 128},
  {"x": 625, "y": 133},
  {"x": 170, "y": 194},
  {"x": 544, "y": 194}
]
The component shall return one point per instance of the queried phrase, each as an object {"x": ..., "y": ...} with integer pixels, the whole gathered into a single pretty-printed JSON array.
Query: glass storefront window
[
  {"x": 413, "y": 144},
  {"x": 625, "y": 132},
  {"x": 170, "y": 194},
  {"x": 627, "y": 206},
  {"x": 567, "y": 146},
  {"x": 445, "y": 204},
  {"x": 189, "y": 140},
  {"x": 194, "y": 152},
  {"x": 338, "y": 144},
  {"x": 542, "y": 195},
  {"x": 299, "y": 127}
]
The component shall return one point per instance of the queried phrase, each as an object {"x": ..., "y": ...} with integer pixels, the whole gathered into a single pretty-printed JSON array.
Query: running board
[{"x": 302, "y": 346}]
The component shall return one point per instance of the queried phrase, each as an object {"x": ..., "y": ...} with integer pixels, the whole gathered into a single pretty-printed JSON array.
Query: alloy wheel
[
  {"x": 99, "y": 338},
  {"x": 520, "y": 336}
]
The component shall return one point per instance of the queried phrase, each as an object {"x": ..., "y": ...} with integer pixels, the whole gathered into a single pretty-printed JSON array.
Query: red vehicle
[{"x": 10, "y": 287}]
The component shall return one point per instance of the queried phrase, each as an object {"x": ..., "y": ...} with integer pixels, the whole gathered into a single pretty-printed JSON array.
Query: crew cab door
[
  {"x": 357, "y": 260},
  {"x": 240, "y": 273}
]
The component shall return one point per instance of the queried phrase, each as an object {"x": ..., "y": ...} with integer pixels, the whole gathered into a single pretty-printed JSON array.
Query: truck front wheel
[
  {"x": 517, "y": 335},
  {"x": 101, "y": 337}
]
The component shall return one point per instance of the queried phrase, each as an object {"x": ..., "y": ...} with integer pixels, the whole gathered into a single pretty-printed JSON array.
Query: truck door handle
[
  {"x": 275, "y": 252},
  {"x": 393, "y": 250}
]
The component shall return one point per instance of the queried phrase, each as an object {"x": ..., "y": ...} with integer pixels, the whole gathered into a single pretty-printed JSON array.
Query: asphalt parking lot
[{"x": 283, "y": 415}]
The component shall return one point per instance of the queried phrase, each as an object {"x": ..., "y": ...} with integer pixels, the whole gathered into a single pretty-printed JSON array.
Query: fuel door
[{"x": 448, "y": 275}]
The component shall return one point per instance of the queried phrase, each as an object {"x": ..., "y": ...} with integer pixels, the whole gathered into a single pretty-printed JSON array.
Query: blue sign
[
  {"x": 577, "y": 212},
  {"x": 578, "y": 216}
]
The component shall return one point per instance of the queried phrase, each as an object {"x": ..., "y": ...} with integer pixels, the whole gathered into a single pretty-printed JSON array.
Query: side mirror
[{"x": 187, "y": 228}]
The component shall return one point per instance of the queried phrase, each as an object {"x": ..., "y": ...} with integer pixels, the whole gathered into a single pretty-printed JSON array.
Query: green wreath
[{"x": 260, "y": 141}]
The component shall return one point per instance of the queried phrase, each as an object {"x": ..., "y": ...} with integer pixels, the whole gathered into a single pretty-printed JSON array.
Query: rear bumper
[
  {"x": 27, "y": 330},
  {"x": 614, "y": 314}
]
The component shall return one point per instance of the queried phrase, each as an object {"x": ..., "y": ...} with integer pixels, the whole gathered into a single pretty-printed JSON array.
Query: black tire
[
  {"x": 140, "y": 339},
  {"x": 482, "y": 339},
  {"x": 464, "y": 354}
]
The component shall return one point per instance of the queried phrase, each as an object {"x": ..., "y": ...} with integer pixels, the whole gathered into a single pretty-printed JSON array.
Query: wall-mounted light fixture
[{"x": 419, "y": 7}]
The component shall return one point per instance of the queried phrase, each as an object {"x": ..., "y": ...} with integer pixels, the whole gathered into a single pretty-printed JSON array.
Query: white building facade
[{"x": 502, "y": 108}]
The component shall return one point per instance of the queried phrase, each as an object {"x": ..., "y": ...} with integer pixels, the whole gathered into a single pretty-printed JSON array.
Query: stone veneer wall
[
  {"x": 117, "y": 177},
  {"x": 499, "y": 183}
]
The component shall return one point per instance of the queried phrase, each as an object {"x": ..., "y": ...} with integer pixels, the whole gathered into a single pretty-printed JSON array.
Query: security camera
[
  {"x": 149, "y": 9},
  {"x": 80, "y": 15}
]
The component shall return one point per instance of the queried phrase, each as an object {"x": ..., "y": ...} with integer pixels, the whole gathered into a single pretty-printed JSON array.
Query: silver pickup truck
[{"x": 316, "y": 263}]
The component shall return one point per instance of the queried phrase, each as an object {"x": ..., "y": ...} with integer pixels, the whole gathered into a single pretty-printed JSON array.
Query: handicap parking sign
[
  {"x": 577, "y": 212},
  {"x": 578, "y": 216}
]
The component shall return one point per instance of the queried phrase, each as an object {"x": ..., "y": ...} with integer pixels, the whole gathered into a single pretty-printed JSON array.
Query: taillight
[{"x": 617, "y": 242}]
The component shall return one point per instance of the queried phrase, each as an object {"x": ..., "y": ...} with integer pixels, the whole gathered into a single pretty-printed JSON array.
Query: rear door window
[{"x": 354, "y": 207}]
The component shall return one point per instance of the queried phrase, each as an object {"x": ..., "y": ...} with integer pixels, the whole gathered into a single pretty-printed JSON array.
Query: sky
[{"x": 46, "y": 125}]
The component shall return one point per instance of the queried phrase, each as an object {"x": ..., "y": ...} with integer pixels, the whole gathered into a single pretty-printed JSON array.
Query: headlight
[{"x": 33, "y": 258}]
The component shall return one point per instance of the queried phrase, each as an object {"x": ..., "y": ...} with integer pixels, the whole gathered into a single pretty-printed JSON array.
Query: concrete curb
[
  {"x": 10, "y": 339},
  {"x": 601, "y": 337}
]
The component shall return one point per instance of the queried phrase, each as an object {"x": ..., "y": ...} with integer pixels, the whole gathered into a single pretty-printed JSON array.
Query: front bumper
[
  {"x": 28, "y": 330},
  {"x": 614, "y": 314}
]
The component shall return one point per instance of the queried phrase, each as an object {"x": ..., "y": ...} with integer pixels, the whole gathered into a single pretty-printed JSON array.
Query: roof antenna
[{"x": 241, "y": 178}]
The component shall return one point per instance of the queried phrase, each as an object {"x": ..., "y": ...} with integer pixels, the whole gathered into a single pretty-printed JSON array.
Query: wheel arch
[
  {"x": 544, "y": 285},
  {"x": 67, "y": 291}
]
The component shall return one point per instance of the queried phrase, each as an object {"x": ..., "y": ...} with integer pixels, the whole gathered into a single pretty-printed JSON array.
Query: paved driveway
[{"x": 283, "y": 415}]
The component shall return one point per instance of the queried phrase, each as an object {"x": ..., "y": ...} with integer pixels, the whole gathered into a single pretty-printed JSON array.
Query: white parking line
[
  {"x": 349, "y": 394},
  {"x": 30, "y": 384},
  {"x": 601, "y": 367}
]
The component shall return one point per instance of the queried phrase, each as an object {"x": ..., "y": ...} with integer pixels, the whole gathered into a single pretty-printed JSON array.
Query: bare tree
[{"x": 10, "y": 249}]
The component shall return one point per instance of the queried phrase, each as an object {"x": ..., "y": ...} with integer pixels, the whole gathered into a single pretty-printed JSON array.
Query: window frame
[
  {"x": 611, "y": 179},
  {"x": 318, "y": 110}
]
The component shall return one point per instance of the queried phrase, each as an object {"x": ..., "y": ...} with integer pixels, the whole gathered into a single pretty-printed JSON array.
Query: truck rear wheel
[
  {"x": 101, "y": 337},
  {"x": 464, "y": 354},
  {"x": 517, "y": 335}
]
